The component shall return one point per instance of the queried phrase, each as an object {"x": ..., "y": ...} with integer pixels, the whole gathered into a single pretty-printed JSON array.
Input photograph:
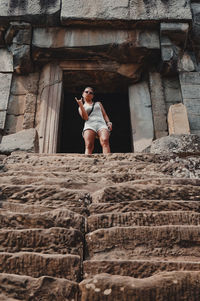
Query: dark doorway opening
[{"x": 117, "y": 108}]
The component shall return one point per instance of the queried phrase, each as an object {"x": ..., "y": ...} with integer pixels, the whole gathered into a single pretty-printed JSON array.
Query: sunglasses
[{"x": 89, "y": 92}]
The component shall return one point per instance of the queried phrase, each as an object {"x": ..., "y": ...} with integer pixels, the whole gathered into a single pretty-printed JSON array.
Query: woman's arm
[
  {"x": 81, "y": 109},
  {"x": 105, "y": 116}
]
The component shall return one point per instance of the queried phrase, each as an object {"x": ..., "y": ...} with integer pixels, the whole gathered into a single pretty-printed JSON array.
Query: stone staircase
[{"x": 90, "y": 228}]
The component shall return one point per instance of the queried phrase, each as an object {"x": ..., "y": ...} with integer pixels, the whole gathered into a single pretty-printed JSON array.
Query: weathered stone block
[
  {"x": 161, "y": 287},
  {"x": 141, "y": 116},
  {"x": 172, "y": 91},
  {"x": 14, "y": 123},
  {"x": 25, "y": 140},
  {"x": 16, "y": 105},
  {"x": 178, "y": 120},
  {"x": 188, "y": 144},
  {"x": 6, "y": 61},
  {"x": 2, "y": 119},
  {"x": 34, "y": 11},
  {"x": 195, "y": 7},
  {"x": 30, "y": 103},
  {"x": 186, "y": 63},
  {"x": 190, "y": 86},
  {"x": 44, "y": 288},
  {"x": 134, "y": 10},
  {"x": 119, "y": 45},
  {"x": 158, "y": 104},
  {"x": 5, "y": 84},
  {"x": 25, "y": 84},
  {"x": 29, "y": 120}
]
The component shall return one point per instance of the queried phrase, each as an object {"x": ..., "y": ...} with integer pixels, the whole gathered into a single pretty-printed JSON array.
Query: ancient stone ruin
[{"x": 121, "y": 227}]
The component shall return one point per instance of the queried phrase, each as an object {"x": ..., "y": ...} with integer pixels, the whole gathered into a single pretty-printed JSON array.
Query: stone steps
[
  {"x": 39, "y": 206},
  {"x": 130, "y": 192},
  {"x": 49, "y": 241},
  {"x": 177, "y": 286},
  {"x": 134, "y": 242},
  {"x": 37, "y": 265},
  {"x": 55, "y": 218},
  {"x": 147, "y": 218},
  {"x": 68, "y": 216},
  {"x": 139, "y": 268},
  {"x": 16, "y": 287},
  {"x": 144, "y": 205}
]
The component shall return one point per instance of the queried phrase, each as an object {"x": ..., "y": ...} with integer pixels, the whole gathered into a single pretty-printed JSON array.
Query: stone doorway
[
  {"x": 116, "y": 106},
  {"x": 59, "y": 84}
]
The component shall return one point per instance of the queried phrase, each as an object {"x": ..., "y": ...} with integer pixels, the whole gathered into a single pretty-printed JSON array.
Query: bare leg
[
  {"x": 89, "y": 137},
  {"x": 104, "y": 140}
]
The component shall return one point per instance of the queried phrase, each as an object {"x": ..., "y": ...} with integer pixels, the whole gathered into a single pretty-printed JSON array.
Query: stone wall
[{"x": 125, "y": 44}]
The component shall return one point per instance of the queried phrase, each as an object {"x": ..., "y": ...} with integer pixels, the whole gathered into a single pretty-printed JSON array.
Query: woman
[{"x": 97, "y": 122}]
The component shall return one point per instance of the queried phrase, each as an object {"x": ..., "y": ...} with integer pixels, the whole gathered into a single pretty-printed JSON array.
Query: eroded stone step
[
  {"x": 37, "y": 265},
  {"x": 130, "y": 192},
  {"x": 177, "y": 285},
  {"x": 15, "y": 206},
  {"x": 133, "y": 242},
  {"x": 55, "y": 218},
  {"x": 35, "y": 192},
  {"x": 138, "y": 268},
  {"x": 144, "y": 205},
  {"x": 142, "y": 219},
  {"x": 39, "y": 206},
  {"x": 71, "y": 179},
  {"x": 53, "y": 240},
  {"x": 45, "y": 288}
]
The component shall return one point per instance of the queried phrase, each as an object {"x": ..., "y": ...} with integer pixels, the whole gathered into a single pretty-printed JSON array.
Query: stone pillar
[
  {"x": 158, "y": 105},
  {"x": 190, "y": 88},
  {"x": 6, "y": 69},
  {"x": 141, "y": 116},
  {"x": 178, "y": 120},
  {"x": 48, "y": 108}
]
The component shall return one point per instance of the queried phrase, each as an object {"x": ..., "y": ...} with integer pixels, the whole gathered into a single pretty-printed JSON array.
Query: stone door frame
[{"x": 49, "y": 104}]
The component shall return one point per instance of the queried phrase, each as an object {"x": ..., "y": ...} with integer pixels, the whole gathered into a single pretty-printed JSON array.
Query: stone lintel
[{"x": 64, "y": 37}]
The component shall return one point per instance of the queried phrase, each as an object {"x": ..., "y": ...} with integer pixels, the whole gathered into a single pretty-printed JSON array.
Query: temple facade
[{"x": 141, "y": 56}]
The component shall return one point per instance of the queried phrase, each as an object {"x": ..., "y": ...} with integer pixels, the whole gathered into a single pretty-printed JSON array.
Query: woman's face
[{"x": 88, "y": 94}]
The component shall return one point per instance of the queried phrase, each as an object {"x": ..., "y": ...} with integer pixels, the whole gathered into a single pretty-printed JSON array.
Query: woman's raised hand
[{"x": 79, "y": 101}]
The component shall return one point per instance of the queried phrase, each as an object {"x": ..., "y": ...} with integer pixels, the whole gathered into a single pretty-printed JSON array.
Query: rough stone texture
[
  {"x": 141, "y": 218},
  {"x": 15, "y": 287},
  {"x": 5, "y": 81},
  {"x": 164, "y": 286},
  {"x": 158, "y": 105},
  {"x": 178, "y": 120},
  {"x": 25, "y": 140},
  {"x": 22, "y": 103},
  {"x": 52, "y": 240},
  {"x": 36, "y": 12},
  {"x": 23, "y": 85},
  {"x": 125, "y": 10},
  {"x": 172, "y": 91},
  {"x": 14, "y": 124},
  {"x": 190, "y": 87},
  {"x": 182, "y": 144},
  {"x": 6, "y": 61},
  {"x": 141, "y": 116},
  {"x": 37, "y": 265}
]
